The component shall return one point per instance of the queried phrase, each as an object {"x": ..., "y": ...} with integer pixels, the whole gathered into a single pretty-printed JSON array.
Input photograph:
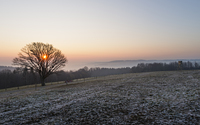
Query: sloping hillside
[{"x": 153, "y": 97}]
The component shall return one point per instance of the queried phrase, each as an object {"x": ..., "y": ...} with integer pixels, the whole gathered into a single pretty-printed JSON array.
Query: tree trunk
[{"x": 42, "y": 82}]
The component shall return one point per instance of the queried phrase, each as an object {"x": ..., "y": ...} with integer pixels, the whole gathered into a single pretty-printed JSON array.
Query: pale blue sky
[{"x": 102, "y": 30}]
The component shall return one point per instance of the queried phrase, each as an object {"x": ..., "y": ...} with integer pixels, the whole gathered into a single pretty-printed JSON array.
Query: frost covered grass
[{"x": 141, "y": 98}]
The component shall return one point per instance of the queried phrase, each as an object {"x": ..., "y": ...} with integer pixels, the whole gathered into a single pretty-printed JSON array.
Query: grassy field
[
  {"x": 139, "y": 98},
  {"x": 48, "y": 83},
  {"x": 30, "y": 86}
]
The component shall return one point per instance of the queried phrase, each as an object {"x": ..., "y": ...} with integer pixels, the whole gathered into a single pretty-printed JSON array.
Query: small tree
[{"x": 42, "y": 58}]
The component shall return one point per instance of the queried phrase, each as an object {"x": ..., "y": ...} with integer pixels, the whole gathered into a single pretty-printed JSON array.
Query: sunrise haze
[{"x": 102, "y": 30}]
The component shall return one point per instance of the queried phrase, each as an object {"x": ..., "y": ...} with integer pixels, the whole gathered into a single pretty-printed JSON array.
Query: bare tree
[{"x": 43, "y": 58}]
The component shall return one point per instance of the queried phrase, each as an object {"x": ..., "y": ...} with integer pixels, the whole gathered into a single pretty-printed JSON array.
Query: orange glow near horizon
[{"x": 44, "y": 57}]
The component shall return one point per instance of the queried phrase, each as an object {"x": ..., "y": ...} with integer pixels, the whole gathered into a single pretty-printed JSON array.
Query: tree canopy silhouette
[{"x": 42, "y": 58}]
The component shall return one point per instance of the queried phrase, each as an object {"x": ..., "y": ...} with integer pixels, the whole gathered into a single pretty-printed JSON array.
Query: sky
[{"x": 102, "y": 30}]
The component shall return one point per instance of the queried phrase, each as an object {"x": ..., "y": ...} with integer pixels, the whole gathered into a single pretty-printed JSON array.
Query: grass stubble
[{"x": 141, "y": 98}]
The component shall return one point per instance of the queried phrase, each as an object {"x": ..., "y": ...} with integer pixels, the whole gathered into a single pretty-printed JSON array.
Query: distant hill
[
  {"x": 7, "y": 67},
  {"x": 131, "y": 63}
]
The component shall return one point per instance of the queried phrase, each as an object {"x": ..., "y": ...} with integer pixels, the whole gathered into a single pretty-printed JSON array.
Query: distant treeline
[
  {"x": 20, "y": 77},
  {"x": 149, "y": 67},
  {"x": 7, "y": 67}
]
